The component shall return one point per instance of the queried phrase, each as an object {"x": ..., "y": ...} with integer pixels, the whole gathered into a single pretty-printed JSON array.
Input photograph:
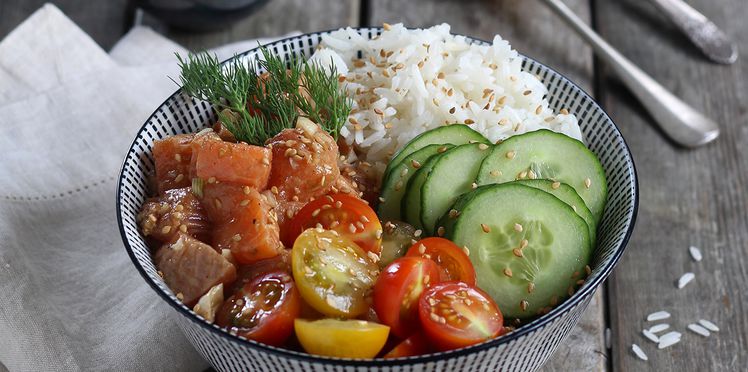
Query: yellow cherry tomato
[
  {"x": 341, "y": 338},
  {"x": 332, "y": 273}
]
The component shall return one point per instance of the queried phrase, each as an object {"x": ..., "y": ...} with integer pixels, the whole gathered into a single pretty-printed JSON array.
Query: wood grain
[
  {"x": 535, "y": 32},
  {"x": 105, "y": 21},
  {"x": 277, "y": 17},
  {"x": 687, "y": 197}
]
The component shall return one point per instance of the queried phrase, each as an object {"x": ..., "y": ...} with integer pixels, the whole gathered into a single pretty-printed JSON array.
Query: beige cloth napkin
[{"x": 71, "y": 299}]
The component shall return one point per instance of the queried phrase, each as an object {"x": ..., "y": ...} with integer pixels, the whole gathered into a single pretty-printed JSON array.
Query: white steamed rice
[{"x": 410, "y": 81}]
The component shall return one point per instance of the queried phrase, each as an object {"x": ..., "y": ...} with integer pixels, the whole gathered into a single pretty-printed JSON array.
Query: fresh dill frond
[{"x": 258, "y": 99}]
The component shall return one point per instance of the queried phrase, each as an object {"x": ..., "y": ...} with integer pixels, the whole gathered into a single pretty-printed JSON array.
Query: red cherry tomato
[
  {"x": 453, "y": 262},
  {"x": 455, "y": 315},
  {"x": 414, "y": 345},
  {"x": 348, "y": 215},
  {"x": 263, "y": 310},
  {"x": 397, "y": 291}
]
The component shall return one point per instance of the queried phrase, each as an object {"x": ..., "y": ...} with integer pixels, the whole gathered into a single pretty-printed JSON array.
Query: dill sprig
[{"x": 258, "y": 99}]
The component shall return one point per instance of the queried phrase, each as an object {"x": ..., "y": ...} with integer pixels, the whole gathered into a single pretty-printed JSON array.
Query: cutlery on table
[
  {"x": 681, "y": 122},
  {"x": 700, "y": 30}
]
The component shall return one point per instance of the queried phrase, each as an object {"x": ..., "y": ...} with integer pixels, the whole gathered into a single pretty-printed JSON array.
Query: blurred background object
[{"x": 200, "y": 15}]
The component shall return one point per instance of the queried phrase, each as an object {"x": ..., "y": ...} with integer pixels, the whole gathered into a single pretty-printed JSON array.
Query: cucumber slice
[
  {"x": 410, "y": 205},
  {"x": 523, "y": 278},
  {"x": 456, "y": 134},
  {"x": 549, "y": 155},
  {"x": 452, "y": 175},
  {"x": 567, "y": 195},
  {"x": 394, "y": 186}
]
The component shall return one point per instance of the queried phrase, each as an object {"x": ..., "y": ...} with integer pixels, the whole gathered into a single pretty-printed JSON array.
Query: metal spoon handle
[
  {"x": 702, "y": 32},
  {"x": 677, "y": 119}
]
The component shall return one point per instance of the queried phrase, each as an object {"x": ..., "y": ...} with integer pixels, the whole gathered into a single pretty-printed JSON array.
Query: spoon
[
  {"x": 682, "y": 123},
  {"x": 700, "y": 30}
]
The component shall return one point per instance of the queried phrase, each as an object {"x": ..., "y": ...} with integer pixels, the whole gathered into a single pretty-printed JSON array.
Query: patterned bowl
[{"x": 525, "y": 349}]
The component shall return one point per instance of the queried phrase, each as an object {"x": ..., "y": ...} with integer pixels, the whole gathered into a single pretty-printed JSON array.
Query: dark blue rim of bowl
[{"x": 533, "y": 326}]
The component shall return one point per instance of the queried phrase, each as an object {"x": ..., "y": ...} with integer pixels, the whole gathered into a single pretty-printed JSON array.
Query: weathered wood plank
[
  {"x": 276, "y": 18},
  {"x": 105, "y": 21},
  {"x": 535, "y": 32},
  {"x": 687, "y": 197}
]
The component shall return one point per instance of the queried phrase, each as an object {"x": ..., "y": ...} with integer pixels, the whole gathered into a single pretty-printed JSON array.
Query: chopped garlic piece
[{"x": 209, "y": 304}]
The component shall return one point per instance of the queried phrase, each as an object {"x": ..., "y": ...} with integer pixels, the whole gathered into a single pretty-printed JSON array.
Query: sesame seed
[
  {"x": 508, "y": 272},
  {"x": 523, "y": 305},
  {"x": 518, "y": 227},
  {"x": 421, "y": 249},
  {"x": 246, "y": 190},
  {"x": 352, "y": 228},
  {"x": 236, "y": 237},
  {"x": 530, "y": 287},
  {"x": 212, "y": 180},
  {"x": 315, "y": 212},
  {"x": 483, "y": 146},
  {"x": 378, "y": 234},
  {"x": 179, "y": 177},
  {"x": 453, "y": 213},
  {"x": 523, "y": 244},
  {"x": 466, "y": 250},
  {"x": 183, "y": 228},
  {"x": 417, "y": 233},
  {"x": 180, "y": 296},
  {"x": 473, "y": 185},
  {"x": 441, "y": 149},
  {"x": 217, "y": 202},
  {"x": 274, "y": 190},
  {"x": 244, "y": 203},
  {"x": 522, "y": 175},
  {"x": 178, "y": 157},
  {"x": 556, "y": 185},
  {"x": 538, "y": 110},
  {"x": 518, "y": 252},
  {"x": 415, "y": 163},
  {"x": 381, "y": 199},
  {"x": 166, "y": 229},
  {"x": 587, "y": 269},
  {"x": 587, "y": 183},
  {"x": 440, "y": 231},
  {"x": 469, "y": 121},
  {"x": 485, "y": 228},
  {"x": 510, "y": 155},
  {"x": 531, "y": 175},
  {"x": 564, "y": 111}
]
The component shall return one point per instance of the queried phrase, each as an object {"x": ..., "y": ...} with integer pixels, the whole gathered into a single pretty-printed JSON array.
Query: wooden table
[{"x": 688, "y": 197}]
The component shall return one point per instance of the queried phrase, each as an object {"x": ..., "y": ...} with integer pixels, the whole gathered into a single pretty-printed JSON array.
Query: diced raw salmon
[
  {"x": 237, "y": 163},
  {"x": 284, "y": 210},
  {"x": 244, "y": 221},
  {"x": 172, "y": 156},
  {"x": 176, "y": 211},
  {"x": 305, "y": 162},
  {"x": 190, "y": 268}
]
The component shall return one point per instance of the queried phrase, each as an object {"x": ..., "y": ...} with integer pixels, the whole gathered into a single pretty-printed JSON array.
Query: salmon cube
[
  {"x": 176, "y": 211},
  {"x": 172, "y": 157},
  {"x": 244, "y": 221},
  {"x": 237, "y": 163},
  {"x": 191, "y": 268}
]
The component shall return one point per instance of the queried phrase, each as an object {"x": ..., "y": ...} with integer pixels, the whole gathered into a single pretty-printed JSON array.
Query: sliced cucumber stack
[
  {"x": 567, "y": 195},
  {"x": 549, "y": 155},
  {"x": 395, "y": 185},
  {"x": 528, "y": 247},
  {"x": 452, "y": 175},
  {"x": 410, "y": 205},
  {"x": 456, "y": 134}
]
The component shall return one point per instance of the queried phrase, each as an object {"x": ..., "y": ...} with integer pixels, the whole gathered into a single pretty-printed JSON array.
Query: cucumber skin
[
  {"x": 581, "y": 210},
  {"x": 511, "y": 143},
  {"x": 409, "y": 207},
  {"x": 509, "y": 308},
  {"x": 422, "y": 140},
  {"x": 430, "y": 228},
  {"x": 390, "y": 181}
]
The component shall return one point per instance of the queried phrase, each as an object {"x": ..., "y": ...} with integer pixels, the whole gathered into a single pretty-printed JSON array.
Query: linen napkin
[{"x": 71, "y": 299}]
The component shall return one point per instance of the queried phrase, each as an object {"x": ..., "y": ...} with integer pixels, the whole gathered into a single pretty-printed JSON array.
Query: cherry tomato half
[
  {"x": 262, "y": 310},
  {"x": 397, "y": 291},
  {"x": 414, "y": 345},
  {"x": 348, "y": 215},
  {"x": 350, "y": 338},
  {"x": 453, "y": 262},
  {"x": 333, "y": 274},
  {"x": 455, "y": 315}
]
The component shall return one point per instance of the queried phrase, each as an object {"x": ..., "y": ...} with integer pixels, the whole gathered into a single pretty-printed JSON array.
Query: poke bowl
[{"x": 525, "y": 344}]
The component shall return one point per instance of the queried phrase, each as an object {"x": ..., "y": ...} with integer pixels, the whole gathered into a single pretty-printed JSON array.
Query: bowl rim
[{"x": 533, "y": 326}]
